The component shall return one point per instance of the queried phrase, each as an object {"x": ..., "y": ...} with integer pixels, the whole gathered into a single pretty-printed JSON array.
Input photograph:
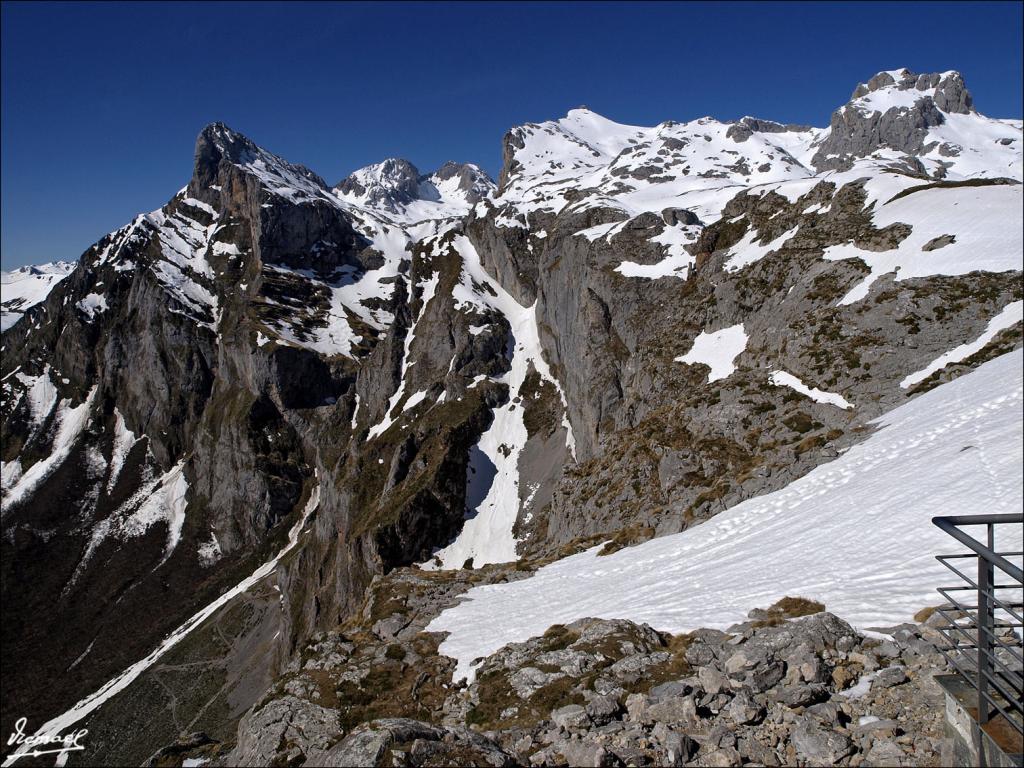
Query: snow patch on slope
[
  {"x": 784, "y": 379},
  {"x": 92, "y": 305},
  {"x": 976, "y": 216},
  {"x": 71, "y": 422},
  {"x": 166, "y": 503},
  {"x": 390, "y": 414},
  {"x": 40, "y": 393},
  {"x": 209, "y": 551},
  {"x": 124, "y": 440},
  {"x": 747, "y": 252},
  {"x": 1010, "y": 315},
  {"x": 677, "y": 262},
  {"x": 162, "y": 500},
  {"x": 492, "y": 478},
  {"x": 717, "y": 350}
]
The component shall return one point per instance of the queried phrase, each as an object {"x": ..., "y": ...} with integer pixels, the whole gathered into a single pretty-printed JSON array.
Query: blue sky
[{"x": 101, "y": 103}]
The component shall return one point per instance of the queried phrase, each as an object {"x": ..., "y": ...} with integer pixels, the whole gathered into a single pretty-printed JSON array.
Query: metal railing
[{"x": 984, "y": 636}]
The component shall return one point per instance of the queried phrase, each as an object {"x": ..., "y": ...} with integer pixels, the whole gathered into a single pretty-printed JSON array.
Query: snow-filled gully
[{"x": 493, "y": 475}]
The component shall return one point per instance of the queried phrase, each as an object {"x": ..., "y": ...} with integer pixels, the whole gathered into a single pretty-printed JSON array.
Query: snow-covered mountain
[
  {"x": 25, "y": 287},
  {"x": 396, "y": 187},
  {"x": 261, "y": 403}
]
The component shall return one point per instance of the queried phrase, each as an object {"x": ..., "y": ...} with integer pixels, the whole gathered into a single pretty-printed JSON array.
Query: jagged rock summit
[
  {"x": 947, "y": 88},
  {"x": 217, "y": 143},
  {"x": 927, "y": 121}
]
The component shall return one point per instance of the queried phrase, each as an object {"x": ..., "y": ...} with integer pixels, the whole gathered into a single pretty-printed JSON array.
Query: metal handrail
[
  {"x": 949, "y": 525},
  {"x": 997, "y": 684}
]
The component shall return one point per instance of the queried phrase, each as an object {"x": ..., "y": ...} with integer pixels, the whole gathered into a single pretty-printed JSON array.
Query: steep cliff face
[
  {"x": 167, "y": 406},
  {"x": 638, "y": 328}
]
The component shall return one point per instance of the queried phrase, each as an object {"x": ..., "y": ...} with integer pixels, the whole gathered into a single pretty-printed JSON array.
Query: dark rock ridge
[{"x": 745, "y": 127}]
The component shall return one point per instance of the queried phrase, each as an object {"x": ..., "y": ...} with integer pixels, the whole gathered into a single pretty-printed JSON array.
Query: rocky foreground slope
[
  {"x": 775, "y": 690},
  {"x": 292, "y": 388}
]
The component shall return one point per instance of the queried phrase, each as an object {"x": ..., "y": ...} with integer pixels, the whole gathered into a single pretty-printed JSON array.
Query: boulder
[
  {"x": 744, "y": 710},
  {"x": 889, "y": 677},
  {"x": 603, "y": 709},
  {"x": 817, "y": 745},
  {"x": 571, "y": 716},
  {"x": 673, "y": 709}
]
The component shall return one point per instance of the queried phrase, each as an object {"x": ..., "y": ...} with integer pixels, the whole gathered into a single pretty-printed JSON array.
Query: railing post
[{"x": 986, "y": 626}]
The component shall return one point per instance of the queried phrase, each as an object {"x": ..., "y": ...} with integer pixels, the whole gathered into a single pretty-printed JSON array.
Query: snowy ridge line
[
  {"x": 89, "y": 704},
  {"x": 854, "y": 534},
  {"x": 702, "y": 164},
  {"x": 27, "y": 286},
  {"x": 586, "y": 150}
]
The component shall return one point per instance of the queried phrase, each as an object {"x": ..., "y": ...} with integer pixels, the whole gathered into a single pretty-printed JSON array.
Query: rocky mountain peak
[
  {"x": 215, "y": 142},
  {"x": 389, "y": 184},
  {"x": 218, "y": 145},
  {"x": 947, "y": 89},
  {"x": 466, "y": 178},
  {"x": 897, "y": 110}
]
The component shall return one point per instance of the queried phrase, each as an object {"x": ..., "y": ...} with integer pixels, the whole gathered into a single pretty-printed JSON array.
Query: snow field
[{"x": 855, "y": 533}]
